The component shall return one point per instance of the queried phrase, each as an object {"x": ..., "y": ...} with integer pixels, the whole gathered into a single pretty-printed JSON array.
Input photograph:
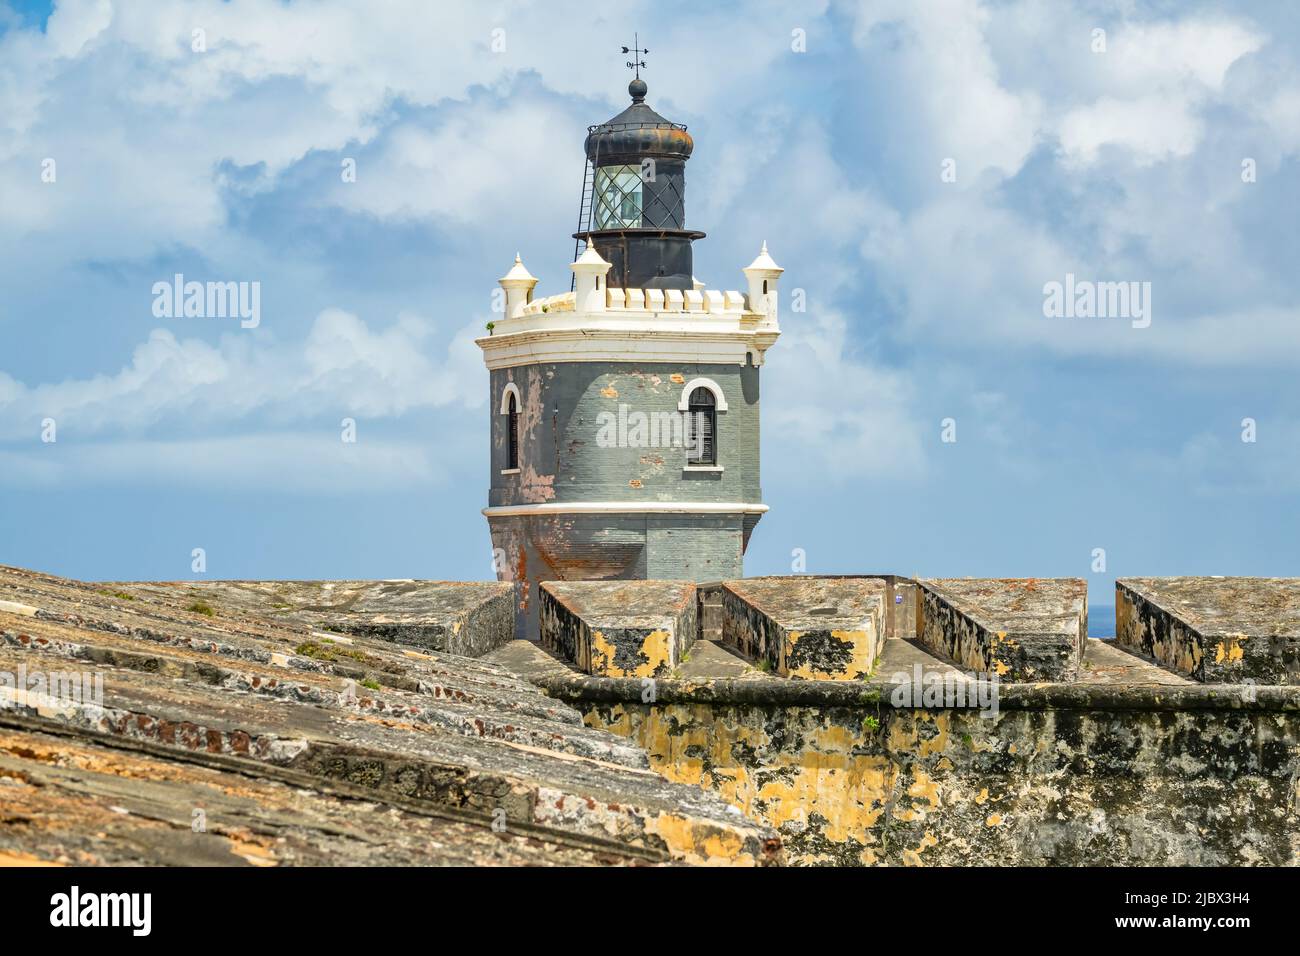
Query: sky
[{"x": 923, "y": 169}]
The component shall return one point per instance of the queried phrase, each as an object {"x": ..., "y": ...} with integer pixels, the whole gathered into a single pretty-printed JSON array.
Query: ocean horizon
[{"x": 1101, "y": 620}]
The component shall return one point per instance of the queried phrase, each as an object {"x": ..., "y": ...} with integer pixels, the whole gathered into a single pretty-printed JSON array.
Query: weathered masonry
[
  {"x": 1031, "y": 629},
  {"x": 812, "y": 628},
  {"x": 625, "y": 412},
  {"x": 670, "y": 729},
  {"x": 1215, "y": 630},
  {"x": 620, "y": 628},
  {"x": 310, "y": 723},
  {"x": 989, "y": 728}
]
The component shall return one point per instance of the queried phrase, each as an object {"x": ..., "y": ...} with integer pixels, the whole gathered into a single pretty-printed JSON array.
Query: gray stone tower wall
[{"x": 562, "y": 461}]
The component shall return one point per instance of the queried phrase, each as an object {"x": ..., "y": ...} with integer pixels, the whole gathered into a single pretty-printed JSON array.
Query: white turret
[
  {"x": 518, "y": 283},
  {"x": 589, "y": 272},
  {"x": 763, "y": 275}
]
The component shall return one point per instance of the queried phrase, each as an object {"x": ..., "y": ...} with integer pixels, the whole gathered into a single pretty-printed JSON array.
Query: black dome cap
[{"x": 637, "y": 132}]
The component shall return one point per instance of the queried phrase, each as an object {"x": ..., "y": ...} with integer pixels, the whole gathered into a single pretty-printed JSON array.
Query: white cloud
[
  {"x": 449, "y": 133},
  {"x": 1138, "y": 190},
  {"x": 947, "y": 73},
  {"x": 139, "y": 156},
  {"x": 343, "y": 367},
  {"x": 1157, "y": 78},
  {"x": 1193, "y": 51},
  {"x": 1153, "y": 127},
  {"x": 479, "y": 164}
]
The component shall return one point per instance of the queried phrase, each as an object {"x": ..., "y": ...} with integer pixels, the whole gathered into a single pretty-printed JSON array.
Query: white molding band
[
  {"x": 540, "y": 346},
  {"x": 719, "y": 400},
  {"x": 627, "y": 507}
]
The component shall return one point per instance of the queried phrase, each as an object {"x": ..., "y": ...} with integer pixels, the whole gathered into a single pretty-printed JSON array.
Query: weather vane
[{"x": 636, "y": 63}]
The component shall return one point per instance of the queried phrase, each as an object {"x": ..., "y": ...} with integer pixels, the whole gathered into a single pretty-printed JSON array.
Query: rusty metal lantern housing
[{"x": 634, "y": 197}]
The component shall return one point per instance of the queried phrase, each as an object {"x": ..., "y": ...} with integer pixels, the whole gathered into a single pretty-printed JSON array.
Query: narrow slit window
[
  {"x": 701, "y": 426},
  {"x": 512, "y": 437}
]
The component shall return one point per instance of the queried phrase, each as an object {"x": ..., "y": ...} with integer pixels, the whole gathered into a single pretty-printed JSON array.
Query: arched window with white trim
[
  {"x": 702, "y": 427},
  {"x": 700, "y": 401},
  {"x": 719, "y": 400},
  {"x": 512, "y": 434},
  {"x": 510, "y": 409}
]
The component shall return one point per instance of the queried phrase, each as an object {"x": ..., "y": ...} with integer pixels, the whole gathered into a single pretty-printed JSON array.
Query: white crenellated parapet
[
  {"x": 587, "y": 299},
  {"x": 518, "y": 283},
  {"x": 589, "y": 274},
  {"x": 763, "y": 275},
  {"x": 597, "y": 323}
]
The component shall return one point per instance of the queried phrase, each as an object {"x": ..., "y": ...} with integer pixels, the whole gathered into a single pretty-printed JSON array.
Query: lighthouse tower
[{"x": 624, "y": 412}]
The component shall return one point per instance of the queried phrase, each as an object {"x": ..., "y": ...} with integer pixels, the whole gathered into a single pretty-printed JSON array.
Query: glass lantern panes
[{"x": 618, "y": 197}]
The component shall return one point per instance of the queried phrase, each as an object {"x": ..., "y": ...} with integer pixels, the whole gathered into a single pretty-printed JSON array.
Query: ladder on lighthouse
[{"x": 584, "y": 214}]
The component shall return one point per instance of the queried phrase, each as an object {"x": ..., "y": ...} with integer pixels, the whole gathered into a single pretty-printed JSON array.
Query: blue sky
[{"x": 924, "y": 295}]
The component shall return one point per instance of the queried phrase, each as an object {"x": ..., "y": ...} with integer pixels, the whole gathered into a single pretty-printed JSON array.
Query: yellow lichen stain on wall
[
  {"x": 913, "y": 857},
  {"x": 939, "y": 741},
  {"x": 601, "y": 656},
  {"x": 924, "y": 788},
  {"x": 1184, "y": 656},
  {"x": 907, "y": 736},
  {"x": 692, "y": 839},
  {"x": 1123, "y": 614},
  {"x": 1178, "y": 649},
  {"x": 1230, "y": 649},
  {"x": 860, "y": 663},
  {"x": 699, "y": 843},
  {"x": 699, "y": 746}
]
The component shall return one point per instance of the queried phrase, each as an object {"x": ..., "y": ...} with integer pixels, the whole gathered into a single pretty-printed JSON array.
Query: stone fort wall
[
  {"x": 1130, "y": 780},
  {"x": 1058, "y": 750}
]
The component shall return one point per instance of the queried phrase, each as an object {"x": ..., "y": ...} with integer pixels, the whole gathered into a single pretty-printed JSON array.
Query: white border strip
[{"x": 627, "y": 507}]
